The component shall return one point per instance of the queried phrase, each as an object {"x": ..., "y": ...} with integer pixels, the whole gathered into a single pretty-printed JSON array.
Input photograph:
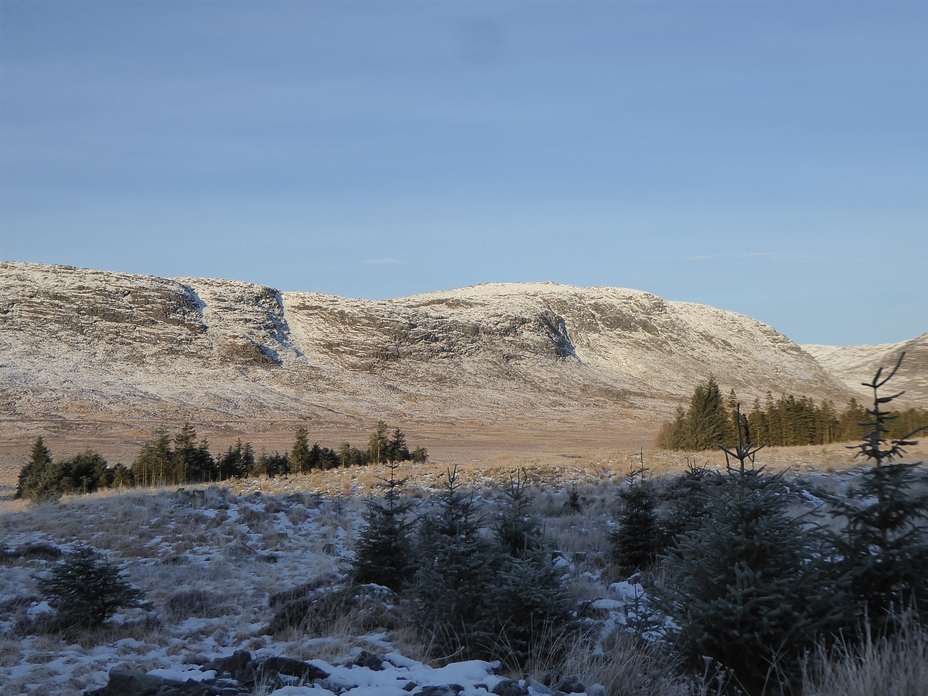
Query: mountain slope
[
  {"x": 854, "y": 365},
  {"x": 82, "y": 345}
]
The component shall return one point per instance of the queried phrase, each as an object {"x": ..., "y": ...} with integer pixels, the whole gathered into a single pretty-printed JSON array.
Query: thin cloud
[
  {"x": 382, "y": 262},
  {"x": 771, "y": 256}
]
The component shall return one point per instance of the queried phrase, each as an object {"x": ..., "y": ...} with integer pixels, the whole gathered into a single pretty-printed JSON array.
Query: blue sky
[{"x": 767, "y": 158}]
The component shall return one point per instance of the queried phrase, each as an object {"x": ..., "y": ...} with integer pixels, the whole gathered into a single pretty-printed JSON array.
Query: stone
[
  {"x": 509, "y": 687},
  {"x": 570, "y": 684},
  {"x": 369, "y": 660}
]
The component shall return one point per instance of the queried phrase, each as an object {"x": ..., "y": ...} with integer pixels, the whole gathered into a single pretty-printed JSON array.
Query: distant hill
[
  {"x": 82, "y": 346},
  {"x": 857, "y": 364}
]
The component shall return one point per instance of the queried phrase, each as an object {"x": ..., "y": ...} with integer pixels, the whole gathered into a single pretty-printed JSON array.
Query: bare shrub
[{"x": 199, "y": 603}]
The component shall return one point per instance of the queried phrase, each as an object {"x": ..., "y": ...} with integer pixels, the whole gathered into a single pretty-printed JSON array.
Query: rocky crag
[{"x": 81, "y": 346}]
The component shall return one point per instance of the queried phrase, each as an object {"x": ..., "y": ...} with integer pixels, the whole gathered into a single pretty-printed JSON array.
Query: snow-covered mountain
[
  {"x": 857, "y": 364},
  {"x": 92, "y": 346}
]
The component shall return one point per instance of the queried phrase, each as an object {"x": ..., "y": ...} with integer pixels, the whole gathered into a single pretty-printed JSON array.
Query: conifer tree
[
  {"x": 456, "y": 565},
  {"x": 528, "y": 601},
  {"x": 33, "y": 481},
  {"x": 383, "y": 554},
  {"x": 741, "y": 589},
  {"x": 299, "y": 455},
  {"x": 636, "y": 539},
  {"x": 397, "y": 449},
  {"x": 153, "y": 466},
  {"x": 884, "y": 546},
  {"x": 378, "y": 446},
  {"x": 85, "y": 589}
]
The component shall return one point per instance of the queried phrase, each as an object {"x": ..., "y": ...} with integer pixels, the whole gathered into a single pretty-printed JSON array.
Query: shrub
[{"x": 86, "y": 589}]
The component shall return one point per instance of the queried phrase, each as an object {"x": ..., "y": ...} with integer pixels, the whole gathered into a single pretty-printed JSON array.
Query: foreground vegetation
[{"x": 714, "y": 581}]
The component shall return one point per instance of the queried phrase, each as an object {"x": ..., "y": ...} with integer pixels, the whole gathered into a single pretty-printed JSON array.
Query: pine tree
[
  {"x": 383, "y": 554},
  {"x": 397, "y": 450},
  {"x": 154, "y": 465},
  {"x": 86, "y": 589},
  {"x": 687, "y": 506},
  {"x": 884, "y": 546},
  {"x": 448, "y": 596}
]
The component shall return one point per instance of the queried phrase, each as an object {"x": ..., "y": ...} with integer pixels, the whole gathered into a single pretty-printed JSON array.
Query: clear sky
[{"x": 769, "y": 158}]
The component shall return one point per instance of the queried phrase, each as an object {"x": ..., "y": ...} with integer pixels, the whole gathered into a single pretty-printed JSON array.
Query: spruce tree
[
  {"x": 637, "y": 536},
  {"x": 378, "y": 446},
  {"x": 529, "y": 604},
  {"x": 299, "y": 455},
  {"x": 741, "y": 588},
  {"x": 383, "y": 553},
  {"x": 33, "y": 482},
  {"x": 85, "y": 589},
  {"x": 153, "y": 466},
  {"x": 456, "y": 565},
  {"x": 884, "y": 546}
]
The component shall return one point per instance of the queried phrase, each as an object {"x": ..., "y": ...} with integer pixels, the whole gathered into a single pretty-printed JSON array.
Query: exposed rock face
[
  {"x": 78, "y": 344},
  {"x": 857, "y": 364}
]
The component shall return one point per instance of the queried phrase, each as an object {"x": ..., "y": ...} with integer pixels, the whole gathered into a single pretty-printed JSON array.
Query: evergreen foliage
[
  {"x": 86, "y": 589},
  {"x": 154, "y": 465},
  {"x": 34, "y": 482},
  {"x": 299, "y": 455},
  {"x": 687, "y": 505},
  {"x": 192, "y": 461},
  {"x": 741, "y": 588},
  {"x": 782, "y": 422},
  {"x": 636, "y": 539},
  {"x": 456, "y": 566},
  {"x": 383, "y": 553},
  {"x": 271, "y": 465},
  {"x": 42, "y": 479},
  {"x": 238, "y": 461},
  {"x": 884, "y": 547},
  {"x": 530, "y": 606}
]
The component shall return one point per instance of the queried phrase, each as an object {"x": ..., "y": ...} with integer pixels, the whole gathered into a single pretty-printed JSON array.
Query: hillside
[
  {"x": 82, "y": 346},
  {"x": 854, "y": 365}
]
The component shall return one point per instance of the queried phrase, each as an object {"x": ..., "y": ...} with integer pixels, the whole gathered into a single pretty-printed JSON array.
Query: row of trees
[
  {"x": 711, "y": 420},
  {"x": 754, "y": 589},
  {"x": 186, "y": 458}
]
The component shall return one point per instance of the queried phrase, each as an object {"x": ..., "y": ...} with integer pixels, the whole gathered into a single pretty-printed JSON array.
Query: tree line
[
  {"x": 185, "y": 458},
  {"x": 712, "y": 419}
]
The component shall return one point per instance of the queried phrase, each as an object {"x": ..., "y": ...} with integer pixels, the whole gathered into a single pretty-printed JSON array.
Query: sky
[{"x": 769, "y": 158}]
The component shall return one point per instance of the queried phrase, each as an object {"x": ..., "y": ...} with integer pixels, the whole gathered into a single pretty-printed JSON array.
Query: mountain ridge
[{"x": 81, "y": 344}]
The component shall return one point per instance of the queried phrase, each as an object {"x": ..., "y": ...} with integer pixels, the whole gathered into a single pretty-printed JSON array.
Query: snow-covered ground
[
  {"x": 211, "y": 561},
  {"x": 208, "y": 565}
]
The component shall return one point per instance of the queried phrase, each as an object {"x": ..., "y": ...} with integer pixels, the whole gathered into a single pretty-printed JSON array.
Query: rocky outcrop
[{"x": 79, "y": 345}]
